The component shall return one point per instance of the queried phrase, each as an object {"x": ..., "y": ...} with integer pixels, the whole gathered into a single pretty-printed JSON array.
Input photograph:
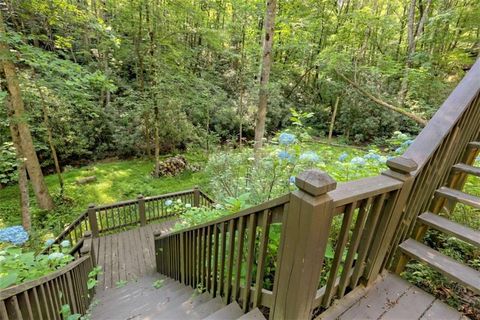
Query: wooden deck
[
  {"x": 127, "y": 255},
  {"x": 390, "y": 298},
  {"x": 126, "y": 260}
]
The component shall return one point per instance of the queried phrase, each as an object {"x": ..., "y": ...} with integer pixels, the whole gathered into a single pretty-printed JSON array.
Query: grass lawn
[{"x": 116, "y": 181}]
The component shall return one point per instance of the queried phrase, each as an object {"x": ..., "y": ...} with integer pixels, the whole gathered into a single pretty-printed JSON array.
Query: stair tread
[
  {"x": 207, "y": 308},
  {"x": 229, "y": 312},
  {"x": 446, "y": 265},
  {"x": 182, "y": 309},
  {"x": 255, "y": 314},
  {"x": 445, "y": 225},
  {"x": 474, "y": 145},
  {"x": 467, "y": 169},
  {"x": 462, "y": 197}
]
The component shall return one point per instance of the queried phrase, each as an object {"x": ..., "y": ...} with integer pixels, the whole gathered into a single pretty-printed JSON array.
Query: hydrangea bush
[{"x": 18, "y": 266}]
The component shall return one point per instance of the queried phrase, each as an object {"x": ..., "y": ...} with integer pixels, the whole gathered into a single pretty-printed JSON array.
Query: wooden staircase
[
  {"x": 444, "y": 201},
  {"x": 168, "y": 300}
]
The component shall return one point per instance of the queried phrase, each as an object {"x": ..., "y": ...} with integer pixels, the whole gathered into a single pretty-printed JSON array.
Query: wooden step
[
  {"x": 459, "y": 196},
  {"x": 230, "y": 312},
  {"x": 445, "y": 265},
  {"x": 474, "y": 145},
  {"x": 465, "y": 168},
  {"x": 255, "y": 314},
  {"x": 443, "y": 224}
]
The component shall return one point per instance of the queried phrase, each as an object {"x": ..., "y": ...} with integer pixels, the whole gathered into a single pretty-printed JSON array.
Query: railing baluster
[
  {"x": 239, "y": 256},
  {"x": 251, "y": 236},
  {"x": 231, "y": 243},
  {"x": 340, "y": 248},
  {"x": 215, "y": 260},
  {"x": 262, "y": 252}
]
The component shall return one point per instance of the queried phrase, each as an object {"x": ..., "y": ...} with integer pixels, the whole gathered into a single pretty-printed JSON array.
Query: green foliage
[
  {"x": 8, "y": 164},
  {"x": 157, "y": 284},
  {"x": 18, "y": 266}
]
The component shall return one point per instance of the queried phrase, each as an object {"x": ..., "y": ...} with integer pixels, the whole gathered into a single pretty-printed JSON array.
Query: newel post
[
  {"x": 387, "y": 235},
  {"x": 306, "y": 226},
  {"x": 141, "y": 210},
  {"x": 196, "y": 196},
  {"x": 87, "y": 247},
  {"x": 92, "y": 219}
]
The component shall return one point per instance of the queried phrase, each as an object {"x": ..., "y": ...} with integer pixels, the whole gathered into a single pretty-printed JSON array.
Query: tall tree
[
  {"x": 22, "y": 172},
  {"x": 40, "y": 188},
  {"x": 269, "y": 27}
]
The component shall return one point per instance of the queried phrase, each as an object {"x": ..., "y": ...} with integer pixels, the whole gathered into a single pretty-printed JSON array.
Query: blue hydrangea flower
[
  {"x": 55, "y": 255},
  {"x": 168, "y": 203},
  {"x": 49, "y": 242},
  {"x": 358, "y": 161},
  {"x": 398, "y": 150},
  {"x": 343, "y": 157},
  {"x": 284, "y": 155},
  {"x": 292, "y": 180},
  {"x": 310, "y": 156},
  {"x": 407, "y": 143},
  {"x": 286, "y": 138},
  {"x": 2, "y": 258},
  {"x": 372, "y": 156},
  {"x": 16, "y": 235},
  {"x": 65, "y": 244}
]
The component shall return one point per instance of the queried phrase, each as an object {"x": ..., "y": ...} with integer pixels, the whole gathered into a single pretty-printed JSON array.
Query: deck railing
[
  {"x": 440, "y": 145},
  {"x": 44, "y": 298},
  {"x": 227, "y": 257},
  {"x": 118, "y": 216}
]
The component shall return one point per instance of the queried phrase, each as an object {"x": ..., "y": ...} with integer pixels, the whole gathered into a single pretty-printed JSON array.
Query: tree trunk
[
  {"x": 156, "y": 173},
  {"x": 22, "y": 173},
  {"x": 40, "y": 188},
  {"x": 50, "y": 140},
  {"x": 265, "y": 74},
  {"x": 332, "y": 123}
]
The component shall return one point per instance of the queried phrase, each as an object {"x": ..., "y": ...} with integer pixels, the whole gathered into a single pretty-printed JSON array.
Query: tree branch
[{"x": 421, "y": 121}]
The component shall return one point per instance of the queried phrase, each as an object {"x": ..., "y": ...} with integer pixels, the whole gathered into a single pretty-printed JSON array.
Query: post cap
[
  {"x": 402, "y": 164},
  {"x": 87, "y": 234},
  {"x": 91, "y": 205},
  {"x": 315, "y": 182},
  {"x": 140, "y": 196}
]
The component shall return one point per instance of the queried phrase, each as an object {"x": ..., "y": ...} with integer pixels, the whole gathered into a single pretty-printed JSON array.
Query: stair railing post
[
  {"x": 196, "y": 196},
  {"x": 87, "y": 247},
  {"x": 141, "y": 210},
  {"x": 305, "y": 231},
  {"x": 386, "y": 237},
  {"x": 92, "y": 219}
]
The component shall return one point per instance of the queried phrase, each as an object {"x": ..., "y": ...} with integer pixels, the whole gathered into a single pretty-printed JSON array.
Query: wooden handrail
[
  {"x": 84, "y": 223},
  {"x": 258, "y": 208}
]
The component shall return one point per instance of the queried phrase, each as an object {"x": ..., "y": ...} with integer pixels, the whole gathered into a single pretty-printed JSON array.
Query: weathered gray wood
[
  {"x": 85, "y": 180},
  {"x": 255, "y": 314},
  {"x": 439, "y": 311},
  {"x": 445, "y": 225},
  {"x": 411, "y": 305},
  {"x": 230, "y": 312},
  {"x": 459, "y": 196},
  {"x": 465, "y": 168},
  {"x": 378, "y": 299},
  {"x": 445, "y": 265}
]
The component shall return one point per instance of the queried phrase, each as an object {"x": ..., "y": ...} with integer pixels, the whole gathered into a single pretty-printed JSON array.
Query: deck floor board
[
  {"x": 389, "y": 298},
  {"x": 128, "y": 255}
]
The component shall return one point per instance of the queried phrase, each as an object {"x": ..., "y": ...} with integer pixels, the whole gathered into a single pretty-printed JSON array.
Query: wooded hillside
[{"x": 104, "y": 78}]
